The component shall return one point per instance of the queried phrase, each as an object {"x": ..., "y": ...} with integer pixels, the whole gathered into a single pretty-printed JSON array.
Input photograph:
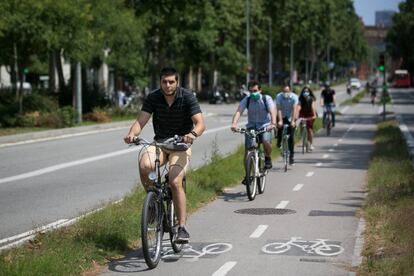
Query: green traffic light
[{"x": 381, "y": 68}]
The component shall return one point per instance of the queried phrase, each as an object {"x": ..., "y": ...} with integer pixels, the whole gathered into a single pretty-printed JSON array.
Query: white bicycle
[
  {"x": 318, "y": 246},
  {"x": 189, "y": 252}
]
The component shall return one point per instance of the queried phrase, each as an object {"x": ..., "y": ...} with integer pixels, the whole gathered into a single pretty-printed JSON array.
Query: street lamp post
[{"x": 248, "y": 41}]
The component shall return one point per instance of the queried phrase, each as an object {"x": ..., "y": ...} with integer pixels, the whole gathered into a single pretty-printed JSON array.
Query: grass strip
[
  {"x": 389, "y": 208},
  {"x": 355, "y": 99},
  {"x": 111, "y": 232}
]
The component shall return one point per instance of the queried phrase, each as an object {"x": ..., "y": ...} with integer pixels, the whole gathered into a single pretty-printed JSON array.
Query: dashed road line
[
  {"x": 224, "y": 269},
  {"x": 282, "y": 204},
  {"x": 319, "y": 164},
  {"x": 325, "y": 156},
  {"x": 297, "y": 187},
  {"x": 340, "y": 140},
  {"x": 335, "y": 145},
  {"x": 331, "y": 150},
  {"x": 309, "y": 174},
  {"x": 259, "y": 231}
]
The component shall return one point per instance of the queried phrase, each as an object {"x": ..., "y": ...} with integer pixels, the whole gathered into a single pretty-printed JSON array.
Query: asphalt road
[
  {"x": 402, "y": 106},
  {"x": 49, "y": 178},
  {"x": 317, "y": 198},
  {"x": 48, "y": 181}
]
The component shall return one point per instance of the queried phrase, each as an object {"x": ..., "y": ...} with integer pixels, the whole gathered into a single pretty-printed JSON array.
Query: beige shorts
[{"x": 174, "y": 158}]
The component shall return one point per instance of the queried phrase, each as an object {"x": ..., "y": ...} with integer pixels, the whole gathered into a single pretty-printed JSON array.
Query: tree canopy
[{"x": 137, "y": 37}]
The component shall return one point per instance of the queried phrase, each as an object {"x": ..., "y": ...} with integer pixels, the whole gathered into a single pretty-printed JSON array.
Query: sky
[{"x": 367, "y": 8}]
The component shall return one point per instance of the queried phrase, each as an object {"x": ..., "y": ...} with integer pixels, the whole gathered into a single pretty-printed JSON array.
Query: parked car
[{"x": 355, "y": 83}]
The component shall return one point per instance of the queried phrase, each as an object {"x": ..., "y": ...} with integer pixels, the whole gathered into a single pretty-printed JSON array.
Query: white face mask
[{"x": 286, "y": 95}]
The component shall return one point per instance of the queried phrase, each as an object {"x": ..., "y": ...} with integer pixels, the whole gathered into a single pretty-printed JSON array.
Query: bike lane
[{"x": 317, "y": 198}]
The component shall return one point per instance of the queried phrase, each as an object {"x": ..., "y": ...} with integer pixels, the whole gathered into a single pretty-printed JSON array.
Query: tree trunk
[
  {"x": 14, "y": 72},
  {"x": 52, "y": 72},
  {"x": 59, "y": 67}
]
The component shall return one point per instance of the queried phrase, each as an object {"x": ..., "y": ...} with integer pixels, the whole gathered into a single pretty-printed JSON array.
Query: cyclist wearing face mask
[
  {"x": 287, "y": 105},
  {"x": 261, "y": 113},
  {"x": 307, "y": 111}
]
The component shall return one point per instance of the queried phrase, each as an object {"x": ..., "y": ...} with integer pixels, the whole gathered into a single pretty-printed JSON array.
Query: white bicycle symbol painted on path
[
  {"x": 193, "y": 255},
  {"x": 318, "y": 246}
]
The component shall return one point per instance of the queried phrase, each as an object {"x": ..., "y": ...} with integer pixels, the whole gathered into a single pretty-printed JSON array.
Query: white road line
[
  {"x": 80, "y": 162},
  {"x": 21, "y": 238},
  {"x": 309, "y": 174},
  {"x": 75, "y": 134},
  {"x": 259, "y": 231},
  {"x": 325, "y": 156},
  {"x": 340, "y": 140},
  {"x": 319, "y": 164},
  {"x": 65, "y": 165},
  {"x": 345, "y": 109},
  {"x": 17, "y": 243},
  {"x": 34, "y": 231},
  {"x": 331, "y": 150},
  {"x": 282, "y": 204},
  {"x": 224, "y": 269},
  {"x": 63, "y": 136},
  {"x": 297, "y": 187},
  {"x": 335, "y": 145}
]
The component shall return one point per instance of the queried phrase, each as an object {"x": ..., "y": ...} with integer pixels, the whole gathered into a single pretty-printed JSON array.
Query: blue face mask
[
  {"x": 306, "y": 94},
  {"x": 255, "y": 96}
]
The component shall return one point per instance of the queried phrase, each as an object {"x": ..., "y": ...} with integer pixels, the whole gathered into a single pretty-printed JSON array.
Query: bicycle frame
[{"x": 160, "y": 196}]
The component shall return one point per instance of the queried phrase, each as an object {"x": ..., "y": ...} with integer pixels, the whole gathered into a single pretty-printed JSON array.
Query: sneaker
[
  {"x": 182, "y": 235},
  {"x": 291, "y": 161},
  {"x": 268, "y": 162},
  {"x": 311, "y": 147}
]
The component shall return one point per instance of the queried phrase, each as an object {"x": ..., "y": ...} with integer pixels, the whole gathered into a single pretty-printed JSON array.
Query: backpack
[{"x": 264, "y": 101}]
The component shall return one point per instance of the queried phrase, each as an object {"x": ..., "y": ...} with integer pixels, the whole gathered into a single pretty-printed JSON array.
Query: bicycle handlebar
[
  {"x": 169, "y": 141},
  {"x": 251, "y": 131}
]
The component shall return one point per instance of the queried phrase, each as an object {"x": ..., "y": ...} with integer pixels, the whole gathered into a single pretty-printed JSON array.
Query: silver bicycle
[{"x": 255, "y": 163}]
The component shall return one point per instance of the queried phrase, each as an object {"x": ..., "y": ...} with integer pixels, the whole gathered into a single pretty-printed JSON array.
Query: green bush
[
  {"x": 63, "y": 117},
  {"x": 28, "y": 119},
  {"x": 39, "y": 102},
  {"x": 67, "y": 116}
]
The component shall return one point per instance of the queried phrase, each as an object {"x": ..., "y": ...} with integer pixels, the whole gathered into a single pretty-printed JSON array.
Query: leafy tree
[{"x": 400, "y": 38}]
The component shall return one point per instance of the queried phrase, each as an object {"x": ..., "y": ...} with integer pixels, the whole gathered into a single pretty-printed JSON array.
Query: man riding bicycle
[
  {"x": 174, "y": 111},
  {"x": 328, "y": 102},
  {"x": 287, "y": 105},
  {"x": 261, "y": 114}
]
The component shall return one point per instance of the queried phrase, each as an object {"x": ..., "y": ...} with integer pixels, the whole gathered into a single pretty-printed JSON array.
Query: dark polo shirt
[{"x": 171, "y": 120}]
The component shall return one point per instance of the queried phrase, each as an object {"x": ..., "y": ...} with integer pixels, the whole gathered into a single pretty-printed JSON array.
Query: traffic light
[{"x": 381, "y": 66}]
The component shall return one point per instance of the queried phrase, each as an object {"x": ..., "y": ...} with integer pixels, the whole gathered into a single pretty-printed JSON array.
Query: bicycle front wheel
[
  {"x": 151, "y": 230},
  {"x": 251, "y": 180},
  {"x": 261, "y": 179},
  {"x": 285, "y": 155}
]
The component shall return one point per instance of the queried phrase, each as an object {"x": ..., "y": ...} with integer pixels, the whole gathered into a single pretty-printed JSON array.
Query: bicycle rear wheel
[
  {"x": 151, "y": 230},
  {"x": 328, "y": 125},
  {"x": 251, "y": 180},
  {"x": 261, "y": 179},
  {"x": 173, "y": 221},
  {"x": 304, "y": 140},
  {"x": 173, "y": 226}
]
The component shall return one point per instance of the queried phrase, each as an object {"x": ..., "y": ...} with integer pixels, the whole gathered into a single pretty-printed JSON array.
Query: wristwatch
[{"x": 194, "y": 133}]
